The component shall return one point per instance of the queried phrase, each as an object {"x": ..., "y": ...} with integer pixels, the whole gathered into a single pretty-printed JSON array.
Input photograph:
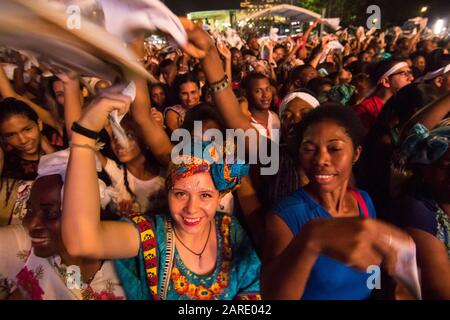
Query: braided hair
[{"x": 151, "y": 164}]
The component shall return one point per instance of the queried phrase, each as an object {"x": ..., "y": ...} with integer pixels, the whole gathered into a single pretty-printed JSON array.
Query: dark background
[{"x": 392, "y": 11}]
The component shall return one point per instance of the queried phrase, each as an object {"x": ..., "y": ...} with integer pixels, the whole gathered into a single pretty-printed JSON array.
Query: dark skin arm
[
  {"x": 434, "y": 265},
  {"x": 354, "y": 241}
]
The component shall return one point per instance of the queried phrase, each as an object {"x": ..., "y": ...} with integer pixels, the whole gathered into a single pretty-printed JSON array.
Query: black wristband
[{"x": 84, "y": 131}]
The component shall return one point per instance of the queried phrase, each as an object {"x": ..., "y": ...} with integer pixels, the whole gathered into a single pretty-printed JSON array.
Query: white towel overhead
[{"x": 123, "y": 17}]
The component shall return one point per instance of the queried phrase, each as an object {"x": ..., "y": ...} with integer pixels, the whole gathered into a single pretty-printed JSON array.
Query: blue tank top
[{"x": 329, "y": 279}]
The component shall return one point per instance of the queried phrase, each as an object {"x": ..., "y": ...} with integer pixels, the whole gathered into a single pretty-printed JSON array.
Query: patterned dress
[
  {"x": 236, "y": 275},
  {"x": 48, "y": 278}
]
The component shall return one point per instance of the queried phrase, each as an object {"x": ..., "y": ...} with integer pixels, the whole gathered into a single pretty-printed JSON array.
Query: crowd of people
[{"x": 362, "y": 132}]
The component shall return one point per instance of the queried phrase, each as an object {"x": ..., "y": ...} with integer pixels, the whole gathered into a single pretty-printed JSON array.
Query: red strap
[{"x": 361, "y": 202}]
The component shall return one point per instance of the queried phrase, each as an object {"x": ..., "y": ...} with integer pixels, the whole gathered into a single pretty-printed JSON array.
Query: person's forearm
[
  {"x": 315, "y": 60},
  {"x": 72, "y": 105},
  {"x": 292, "y": 269},
  {"x": 81, "y": 206},
  {"x": 153, "y": 134},
  {"x": 6, "y": 89},
  {"x": 19, "y": 82},
  {"x": 228, "y": 69},
  {"x": 43, "y": 114},
  {"x": 225, "y": 100},
  {"x": 430, "y": 115},
  {"x": 253, "y": 210}
]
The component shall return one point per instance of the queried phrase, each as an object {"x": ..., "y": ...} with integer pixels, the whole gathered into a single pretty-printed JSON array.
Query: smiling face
[
  {"x": 261, "y": 94},
  {"x": 189, "y": 94},
  {"x": 327, "y": 155},
  {"x": 43, "y": 218},
  {"x": 23, "y": 134},
  {"x": 193, "y": 202}
]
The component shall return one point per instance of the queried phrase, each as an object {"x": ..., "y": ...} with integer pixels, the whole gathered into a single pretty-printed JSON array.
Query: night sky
[
  {"x": 185, "y": 6},
  {"x": 391, "y": 10}
]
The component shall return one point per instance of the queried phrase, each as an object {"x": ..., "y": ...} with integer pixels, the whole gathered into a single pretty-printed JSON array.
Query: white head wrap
[
  {"x": 313, "y": 102},
  {"x": 393, "y": 70},
  {"x": 437, "y": 73},
  {"x": 56, "y": 164}
]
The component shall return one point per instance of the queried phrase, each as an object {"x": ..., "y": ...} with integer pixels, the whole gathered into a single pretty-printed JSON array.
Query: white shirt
[
  {"x": 47, "y": 278},
  {"x": 149, "y": 193},
  {"x": 273, "y": 123}
]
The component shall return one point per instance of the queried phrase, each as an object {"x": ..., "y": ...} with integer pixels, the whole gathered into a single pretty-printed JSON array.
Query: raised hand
[
  {"x": 200, "y": 43},
  {"x": 67, "y": 76},
  {"x": 96, "y": 114},
  {"x": 157, "y": 116},
  {"x": 223, "y": 50},
  {"x": 357, "y": 242}
]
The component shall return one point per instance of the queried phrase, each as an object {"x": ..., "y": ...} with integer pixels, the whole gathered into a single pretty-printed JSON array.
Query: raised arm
[
  {"x": 430, "y": 115},
  {"x": 83, "y": 233},
  {"x": 72, "y": 100},
  {"x": 226, "y": 54},
  {"x": 152, "y": 132},
  {"x": 6, "y": 91},
  {"x": 225, "y": 100}
]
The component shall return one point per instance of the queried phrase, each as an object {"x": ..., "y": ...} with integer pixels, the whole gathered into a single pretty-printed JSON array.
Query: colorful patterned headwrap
[
  {"x": 225, "y": 169},
  {"x": 423, "y": 146},
  {"x": 342, "y": 93}
]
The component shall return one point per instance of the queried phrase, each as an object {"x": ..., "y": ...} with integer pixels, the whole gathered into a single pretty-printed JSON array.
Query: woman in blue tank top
[{"x": 322, "y": 239}]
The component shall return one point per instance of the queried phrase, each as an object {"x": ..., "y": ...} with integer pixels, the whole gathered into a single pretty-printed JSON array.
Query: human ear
[
  {"x": 438, "y": 81},
  {"x": 357, "y": 154}
]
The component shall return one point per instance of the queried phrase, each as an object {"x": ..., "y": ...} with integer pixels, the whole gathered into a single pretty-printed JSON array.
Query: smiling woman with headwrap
[
  {"x": 194, "y": 253},
  {"x": 424, "y": 211}
]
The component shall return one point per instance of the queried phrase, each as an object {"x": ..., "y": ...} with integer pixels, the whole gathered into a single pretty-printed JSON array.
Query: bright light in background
[
  {"x": 438, "y": 26},
  {"x": 286, "y": 30},
  {"x": 423, "y": 9},
  {"x": 189, "y": 16}
]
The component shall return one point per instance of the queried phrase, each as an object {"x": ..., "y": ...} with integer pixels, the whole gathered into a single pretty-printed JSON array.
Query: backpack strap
[
  {"x": 148, "y": 241},
  {"x": 361, "y": 202}
]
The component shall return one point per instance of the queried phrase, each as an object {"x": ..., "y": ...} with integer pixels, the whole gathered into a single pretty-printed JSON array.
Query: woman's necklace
[{"x": 199, "y": 255}]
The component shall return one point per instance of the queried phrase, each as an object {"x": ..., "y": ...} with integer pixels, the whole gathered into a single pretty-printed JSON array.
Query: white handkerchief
[
  {"x": 115, "y": 118},
  {"x": 335, "y": 45},
  {"x": 123, "y": 17},
  {"x": 406, "y": 268},
  {"x": 9, "y": 69}
]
